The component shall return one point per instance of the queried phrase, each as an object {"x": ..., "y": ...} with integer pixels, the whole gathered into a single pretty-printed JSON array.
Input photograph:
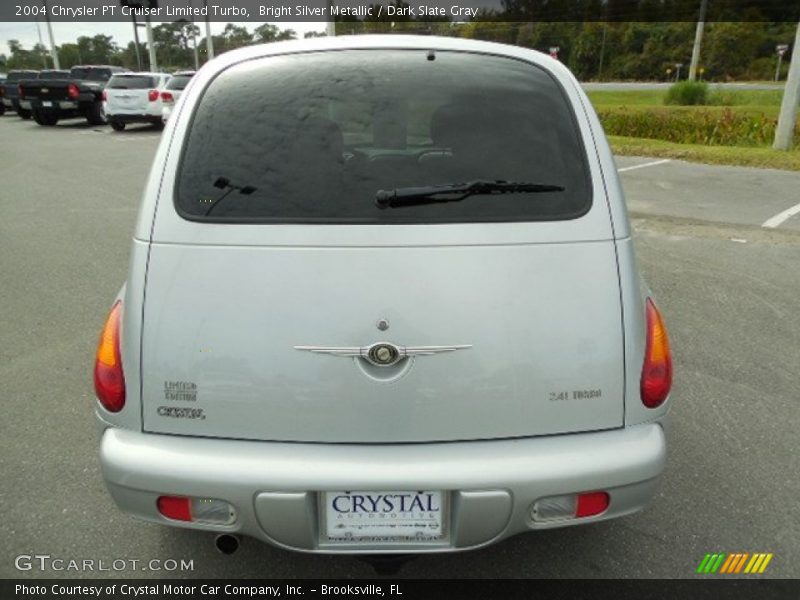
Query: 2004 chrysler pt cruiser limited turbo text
[{"x": 382, "y": 298}]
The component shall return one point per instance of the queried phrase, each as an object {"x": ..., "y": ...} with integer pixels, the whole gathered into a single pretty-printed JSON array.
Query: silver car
[{"x": 382, "y": 298}]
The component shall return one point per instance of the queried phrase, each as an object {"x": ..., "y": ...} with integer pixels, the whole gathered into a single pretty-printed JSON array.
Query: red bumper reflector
[
  {"x": 175, "y": 507},
  {"x": 591, "y": 504}
]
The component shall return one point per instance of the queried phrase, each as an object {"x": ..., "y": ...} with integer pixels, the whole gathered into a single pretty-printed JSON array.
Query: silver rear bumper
[{"x": 274, "y": 485}]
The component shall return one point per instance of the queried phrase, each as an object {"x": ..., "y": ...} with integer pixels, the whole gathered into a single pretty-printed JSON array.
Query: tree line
[{"x": 594, "y": 50}]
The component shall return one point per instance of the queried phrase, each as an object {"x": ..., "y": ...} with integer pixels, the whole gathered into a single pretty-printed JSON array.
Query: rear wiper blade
[
  {"x": 223, "y": 183},
  {"x": 455, "y": 192}
]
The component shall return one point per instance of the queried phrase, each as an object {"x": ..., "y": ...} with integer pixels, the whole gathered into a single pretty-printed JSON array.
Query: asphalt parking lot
[{"x": 729, "y": 288}]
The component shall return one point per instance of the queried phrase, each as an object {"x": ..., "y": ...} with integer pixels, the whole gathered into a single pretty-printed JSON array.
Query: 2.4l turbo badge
[{"x": 574, "y": 395}]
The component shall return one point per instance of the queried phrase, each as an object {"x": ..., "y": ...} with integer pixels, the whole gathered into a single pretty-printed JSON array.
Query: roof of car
[
  {"x": 376, "y": 42},
  {"x": 145, "y": 73},
  {"x": 388, "y": 42},
  {"x": 112, "y": 67}
]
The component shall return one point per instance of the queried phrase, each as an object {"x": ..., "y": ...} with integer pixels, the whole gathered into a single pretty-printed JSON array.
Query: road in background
[
  {"x": 663, "y": 85},
  {"x": 728, "y": 289}
]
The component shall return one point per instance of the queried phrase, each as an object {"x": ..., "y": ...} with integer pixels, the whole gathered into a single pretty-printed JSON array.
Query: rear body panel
[{"x": 542, "y": 320}]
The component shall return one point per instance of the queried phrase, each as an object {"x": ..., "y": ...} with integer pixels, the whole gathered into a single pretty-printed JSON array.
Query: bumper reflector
[
  {"x": 196, "y": 510},
  {"x": 569, "y": 506}
]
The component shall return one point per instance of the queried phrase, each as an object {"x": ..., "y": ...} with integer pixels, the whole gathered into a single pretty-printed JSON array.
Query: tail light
[
  {"x": 196, "y": 510},
  {"x": 105, "y": 96},
  {"x": 167, "y": 97},
  {"x": 569, "y": 506},
  {"x": 72, "y": 91},
  {"x": 153, "y": 95},
  {"x": 657, "y": 368},
  {"x": 109, "y": 379},
  {"x": 21, "y": 92},
  {"x": 2, "y": 91}
]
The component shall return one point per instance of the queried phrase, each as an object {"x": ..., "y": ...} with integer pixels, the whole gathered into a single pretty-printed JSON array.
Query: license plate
[
  {"x": 368, "y": 517},
  {"x": 47, "y": 104}
]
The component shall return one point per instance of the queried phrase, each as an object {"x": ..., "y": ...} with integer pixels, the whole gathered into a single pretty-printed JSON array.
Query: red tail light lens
[
  {"x": 153, "y": 95},
  {"x": 109, "y": 380},
  {"x": 105, "y": 96},
  {"x": 21, "y": 92},
  {"x": 175, "y": 507},
  {"x": 590, "y": 504},
  {"x": 657, "y": 368},
  {"x": 167, "y": 97},
  {"x": 72, "y": 91}
]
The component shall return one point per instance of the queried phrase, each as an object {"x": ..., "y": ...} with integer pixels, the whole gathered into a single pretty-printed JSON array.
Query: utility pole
[
  {"x": 602, "y": 51},
  {"x": 791, "y": 98},
  {"x": 209, "y": 40},
  {"x": 41, "y": 43},
  {"x": 53, "y": 52},
  {"x": 136, "y": 42},
  {"x": 330, "y": 28},
  {"x": 150, "y": 46},
  {"x": 698, "y": 40},
  {"x": 194, "y": 49}
]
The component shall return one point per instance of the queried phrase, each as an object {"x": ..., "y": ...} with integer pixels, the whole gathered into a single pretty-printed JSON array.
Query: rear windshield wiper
[
  {"x": 455, "y": 192},
  {"x": 223, "y": 183}
]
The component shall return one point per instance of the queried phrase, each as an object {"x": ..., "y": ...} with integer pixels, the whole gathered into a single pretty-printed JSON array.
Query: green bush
[
  {"x": 717, "y": 127},
  {"x": 687, "y": 93}
]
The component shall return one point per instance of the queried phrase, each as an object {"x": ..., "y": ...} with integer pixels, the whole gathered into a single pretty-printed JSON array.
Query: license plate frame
[
  {"x": 47, "y": 104},
  {"x": 422, "y": 528}
]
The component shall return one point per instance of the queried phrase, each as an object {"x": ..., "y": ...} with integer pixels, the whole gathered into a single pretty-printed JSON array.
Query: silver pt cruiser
[{"x": 382, "y": 298}]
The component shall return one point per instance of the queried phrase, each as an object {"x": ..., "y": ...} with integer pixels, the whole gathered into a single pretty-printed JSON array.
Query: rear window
[
  {"x": 131, "y": 82},
  {"x": 54, "y": 75},
  {"x": 178, "y": 82},
  {"x": 90, "y": 74},
  {"x": 313, "y": 137},
  {"x": 20, "y": 75}
]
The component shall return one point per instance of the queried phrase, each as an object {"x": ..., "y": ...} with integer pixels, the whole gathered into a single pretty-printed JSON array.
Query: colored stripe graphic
[
  {"x": 727, "y": 564},
  {"x": 765, "y": 563},
  {"x": 741, "y": 562},
  {"x": 734, "y": 563},
  {"x": 718, "y": 562},
  {"x": 703, "y": 563}
]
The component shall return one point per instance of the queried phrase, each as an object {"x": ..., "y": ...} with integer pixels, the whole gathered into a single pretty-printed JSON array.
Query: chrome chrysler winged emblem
[{"x": 382, "y": 354}]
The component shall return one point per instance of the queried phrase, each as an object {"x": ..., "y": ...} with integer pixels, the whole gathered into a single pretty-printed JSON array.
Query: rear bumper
[
  {"x": 490, "y": 484},
  {"x": 134, "y": 118},
  {"x": 52, "y": 105}
]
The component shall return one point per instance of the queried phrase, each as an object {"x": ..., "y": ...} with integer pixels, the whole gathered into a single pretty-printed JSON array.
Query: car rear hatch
[
  {"x": 47, "y": 90},
  {"x": 270, "y": 281},
  {"x": 131, "y": 93}
]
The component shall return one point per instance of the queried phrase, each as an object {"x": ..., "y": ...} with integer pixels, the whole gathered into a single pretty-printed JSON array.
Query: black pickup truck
[
  {"x": 79, "y": 95},
  {"x": 9, "y": 91}
]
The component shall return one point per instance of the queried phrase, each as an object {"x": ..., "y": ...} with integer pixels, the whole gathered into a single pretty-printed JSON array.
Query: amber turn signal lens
[
  {"x": 109, "y": 379},
  {"x": 657, "y": 367}
]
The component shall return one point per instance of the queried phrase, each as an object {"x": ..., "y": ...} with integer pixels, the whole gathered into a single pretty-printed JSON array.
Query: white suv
[
  {"x": 383, "y": 298},
  {"x": 173, "y": 90},
  {"x": 134, "y": 98}
]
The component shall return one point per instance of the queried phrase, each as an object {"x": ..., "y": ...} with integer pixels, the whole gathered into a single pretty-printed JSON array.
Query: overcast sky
[{"x": 123, "y": 32}]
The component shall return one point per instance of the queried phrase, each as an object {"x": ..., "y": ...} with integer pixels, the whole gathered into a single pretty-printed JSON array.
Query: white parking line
[
  {"x": 775, "y": 221},
  {"x": 643, "y": 165}
]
